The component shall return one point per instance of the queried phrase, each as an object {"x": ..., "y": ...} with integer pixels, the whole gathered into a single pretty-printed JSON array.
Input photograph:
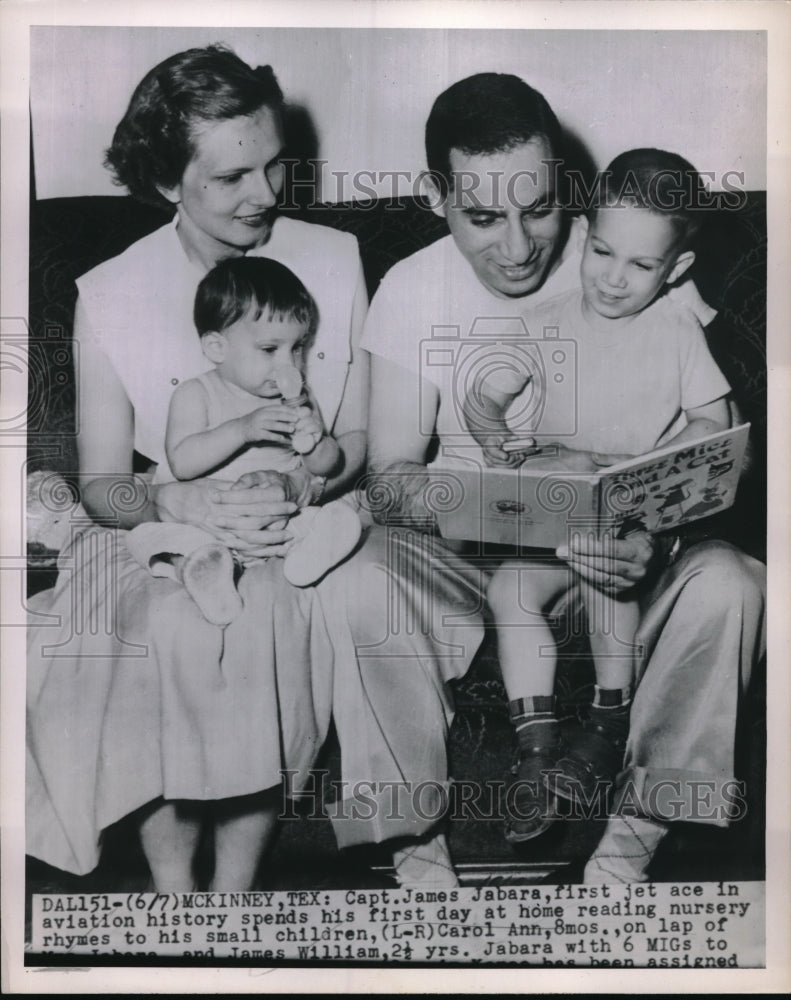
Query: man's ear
[
  {"x": 429, "y": 189},
  {"x": 683, "y": 263},
  {"x": 173, "y": 195},
  {"x": 213, "y": 346}
]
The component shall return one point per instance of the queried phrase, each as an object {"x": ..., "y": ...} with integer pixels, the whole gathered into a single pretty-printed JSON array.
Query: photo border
[{"x": 16, "y": 19}]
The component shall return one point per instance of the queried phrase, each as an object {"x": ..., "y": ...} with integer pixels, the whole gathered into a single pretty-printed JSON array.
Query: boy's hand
[
  {"x": 308, "y": 431},
  {"x": 274, "y": 422},
  {"x": 556, "y": 457},
  {"x": 495, "y": 457}
]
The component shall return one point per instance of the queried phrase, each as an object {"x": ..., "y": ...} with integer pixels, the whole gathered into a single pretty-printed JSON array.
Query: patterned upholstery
[{"x": 68, "y": 236}]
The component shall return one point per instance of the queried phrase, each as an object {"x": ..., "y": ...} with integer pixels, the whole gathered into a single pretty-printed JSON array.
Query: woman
[{"x": 150, "y": 707}]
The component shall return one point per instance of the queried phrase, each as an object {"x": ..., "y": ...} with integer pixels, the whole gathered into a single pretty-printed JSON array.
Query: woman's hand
[
  {"x": 246, "y": 517},
  {"x": 612, "y": 565}
]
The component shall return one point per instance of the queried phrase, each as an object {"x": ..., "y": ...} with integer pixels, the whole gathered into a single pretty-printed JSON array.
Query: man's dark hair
[
  {"x": 484, "y": 114},
  {"x": 661, "y": 182},
  {"x": 155, "y": 140},
  {"x": 237, "y": 285}
]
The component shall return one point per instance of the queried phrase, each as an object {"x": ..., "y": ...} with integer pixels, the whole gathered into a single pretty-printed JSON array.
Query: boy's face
[
  {"x": 249, "y": 353},
  {"x": 629, "y": 254},
  {"x": 502, "y": 214}
]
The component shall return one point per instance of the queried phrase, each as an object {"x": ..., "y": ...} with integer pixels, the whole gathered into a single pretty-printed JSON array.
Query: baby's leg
[
  {"x": 597, "y": 756},
  {"x": 159, "y": 545},
  {"x": 518, "y": 595},
  {"x": 195, "y": 558},
  {"x": 324, "y": 536}
]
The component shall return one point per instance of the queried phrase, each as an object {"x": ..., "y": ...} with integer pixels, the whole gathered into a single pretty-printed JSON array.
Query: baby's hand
[
  {"x": 308, "y": 432},
  {"x": 275, "y": 422}
]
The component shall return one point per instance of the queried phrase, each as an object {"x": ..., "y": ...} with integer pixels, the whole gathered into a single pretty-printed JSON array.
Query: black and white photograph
[{"x": 388, "y": 520}]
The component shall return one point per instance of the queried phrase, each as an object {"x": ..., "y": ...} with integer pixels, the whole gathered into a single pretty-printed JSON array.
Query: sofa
[{"x": 68, "y": 236}]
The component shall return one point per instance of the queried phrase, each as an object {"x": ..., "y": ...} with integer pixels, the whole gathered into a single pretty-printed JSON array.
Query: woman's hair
[
  {"x": 241, "y": 284},
  {"x": 484, "y": 114},
  {"x": 155, "y": 140},
  {"x": 661, "y": 182}
]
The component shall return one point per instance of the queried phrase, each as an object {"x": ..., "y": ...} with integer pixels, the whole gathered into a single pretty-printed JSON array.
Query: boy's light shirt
[
  {"x": 431, "y": 314},
  {"x": 632, "y": 383}
]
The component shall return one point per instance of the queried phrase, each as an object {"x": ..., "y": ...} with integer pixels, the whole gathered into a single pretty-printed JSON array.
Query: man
[{"x": 492, "y": 146}]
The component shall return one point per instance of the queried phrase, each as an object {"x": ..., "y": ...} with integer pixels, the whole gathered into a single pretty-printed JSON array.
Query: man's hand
[
  {"x": 612, "y": 565},
  {"x": 397, "y": 495}
]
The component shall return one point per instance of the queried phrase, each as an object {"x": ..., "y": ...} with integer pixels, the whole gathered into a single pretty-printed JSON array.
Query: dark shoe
[
  {"x": 590, "y": 765},
  {"x": 530, "y": 808}
]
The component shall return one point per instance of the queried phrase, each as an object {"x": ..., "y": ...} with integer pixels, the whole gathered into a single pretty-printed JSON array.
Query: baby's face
[
  {"x": 254, "y": 349},
  {"x": 628, "y": 256}
]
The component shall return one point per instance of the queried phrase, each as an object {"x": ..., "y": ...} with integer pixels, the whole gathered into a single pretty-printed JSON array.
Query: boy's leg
[
  {"x": 612, "y": 624},
  {"x": 597, "y": 755},
  {"x": 518, "y": 593},
  {"x": 324, "y": 537}
]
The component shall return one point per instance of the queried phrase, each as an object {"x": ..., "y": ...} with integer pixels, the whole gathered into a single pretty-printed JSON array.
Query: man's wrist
[
  {"x": 396, "y": 495},
  {"x": 666, "y": 548}
]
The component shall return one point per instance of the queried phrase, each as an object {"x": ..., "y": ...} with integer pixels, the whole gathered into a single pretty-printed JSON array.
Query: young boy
[
  {"x": 255, "y": 319},
  {"x": 645, "y": 378}
]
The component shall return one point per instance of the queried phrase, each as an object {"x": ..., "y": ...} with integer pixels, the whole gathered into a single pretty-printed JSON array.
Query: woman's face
[{"x": 226, "y": 199}]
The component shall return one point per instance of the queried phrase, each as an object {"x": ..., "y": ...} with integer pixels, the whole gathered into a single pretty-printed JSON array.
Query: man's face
[{"x": 502, "y": 214}]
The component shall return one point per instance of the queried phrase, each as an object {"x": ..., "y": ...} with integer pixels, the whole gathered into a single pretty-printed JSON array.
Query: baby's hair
[
  {"x": 661, "y": 182},
  {"x": 241, "y": 284}
]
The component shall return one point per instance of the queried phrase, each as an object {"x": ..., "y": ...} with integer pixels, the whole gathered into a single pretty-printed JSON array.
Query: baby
[
  {"x": 255, "y": 319},
  {"x": 645, "y": 378}
]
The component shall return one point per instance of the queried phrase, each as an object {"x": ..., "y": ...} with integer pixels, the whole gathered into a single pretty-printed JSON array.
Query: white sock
[
  {"x": 625, "y": 850},
  {"x": 207, "y": 575},
  {"x": 425, "y": 862},
  {"x": 325, "y": 536}
]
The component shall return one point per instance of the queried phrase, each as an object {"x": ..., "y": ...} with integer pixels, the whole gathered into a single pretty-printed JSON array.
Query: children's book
[{"x": 541, "y": 508}]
